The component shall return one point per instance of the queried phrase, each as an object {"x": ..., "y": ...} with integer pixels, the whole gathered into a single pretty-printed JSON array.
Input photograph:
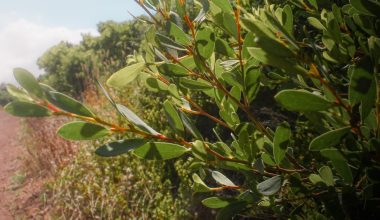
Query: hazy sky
[{"x": 30, "y": 27}]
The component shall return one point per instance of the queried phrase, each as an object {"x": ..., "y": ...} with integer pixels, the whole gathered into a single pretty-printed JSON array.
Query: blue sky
[{"x": 30, "y": 27}]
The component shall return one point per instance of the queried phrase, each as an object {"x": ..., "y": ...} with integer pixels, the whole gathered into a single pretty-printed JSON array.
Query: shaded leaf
[
  {"x": 328, "y": 139},
  {"x": 339, "y": 163},
  {"x": 281, "y": 142},
  {"x": 69, "y": 104},
  {"x": 119, "y": 147},
  {"x": 26, "y": 109},
  {"x": 160, "y": 151},
  {"x": 301, "y": 100},
  {"x": 326, "y": 175},
  {"x": 205, "y": 42},
  {"x": 269, "y": 186},
  {"x": 169, "y": 69},
  {"x": 174, "y": 118}
]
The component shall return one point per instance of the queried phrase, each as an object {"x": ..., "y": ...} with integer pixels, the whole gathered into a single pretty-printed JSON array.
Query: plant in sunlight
[{"x": 320, "y": 58}]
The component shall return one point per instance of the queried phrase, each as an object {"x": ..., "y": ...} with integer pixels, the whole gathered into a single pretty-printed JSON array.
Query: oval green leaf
[
  {"x": 302, "y": 101},
  {"x": 326, "y": 175},
  {"x": 119, "y": 147},
  {"x": 328, "y": 139},
  {"x": 169, "y": 69},
  {"x": 281, "y": 142},
  {"x": 205, "y": 42},
  {"x": 269, "y": 186},
  {"x": 221, "y": 179},
  {"x": 339, "y": 163},
  {"x": 215, "y": 202},
  {"x": 28, "y": 82},
  {"x": 160, "y": 151},
  {"x": 19, "y": 94},
  {"x": 26, "y": 109},
  {"x": 174, "y": 119},
  {"x": 134, "y": 119},
  {"x": 80, "y": 130},
  {"x": 195, "y": 85},
  {"x": 124, "y": 76},
  {"x": 68, "y": 104},
  {"x": 199, "y": 185}
]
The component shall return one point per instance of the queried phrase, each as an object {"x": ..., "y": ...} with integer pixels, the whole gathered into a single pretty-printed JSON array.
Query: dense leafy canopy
[{"x": 315, "y": 62}]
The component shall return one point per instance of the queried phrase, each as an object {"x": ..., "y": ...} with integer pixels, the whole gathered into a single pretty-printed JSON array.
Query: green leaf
[
  {"x": 288, "y": 64},
  {"x": 169, "y": 43},
  {"x": 221, "y": 179},
  {"x": 79, "y": 130},
  {"x": 231, "y": 210},
  {"x": 195, "y": 85},
  {"x": 224, "y": 5},
  {"x": 169, "y": 69},
  {"x": 222, "y": 47},
  {"x": 301, "y": 100},
  {"x": 205, "y": 42},
  {"x": 199, "y": 151},
  {"x": 316, "y": 23},
  {"x": 174, "y": 118},
  {"x": 269, "y": 186},
  {"x": 326, "y": 175},
  {"x": 266, "y": 40},
  {"x": 315, "y": 178},
  {"x": 124, "y": 76},
  {"x": 26, "y": 109},
  {"x": 18, "y": 93},
  {"x": 190, "y": 126},
  {"x": 199, "y": 185},
  {"x": 339, "y": 163},
  {"x": 178, "y": 34},
  {"x": 215, "y": 202},
  {"x": 366, "y": 7},
  {"x": 281, "y": 142},
  {"x": 69, "y": 104},
  {"x": 46, "y": 88},
  {"x": 287, "y": 19},
  {"x": 227, "y": 22},
  {"x": 134, "y": 119},
  {"x": 362, "y": 88},
  {"x": 119, "y": 147},
  {"x": 28, "y": 82},
  {"x": 328, "y": 139},
  {"x": 156, "y": 85},
  {"x": 160, "y": 151}
]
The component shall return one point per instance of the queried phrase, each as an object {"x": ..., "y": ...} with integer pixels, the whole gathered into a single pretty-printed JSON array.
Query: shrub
[{"x": 321, "y": 61}]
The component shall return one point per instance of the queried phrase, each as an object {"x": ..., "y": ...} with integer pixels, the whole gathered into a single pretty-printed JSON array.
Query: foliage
[
  {"x": 321, "y": 59},
  {"x": 94, "y": 187}
]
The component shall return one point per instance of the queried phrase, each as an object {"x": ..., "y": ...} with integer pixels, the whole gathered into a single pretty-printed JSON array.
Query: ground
[{"x": 19, "y": 192}]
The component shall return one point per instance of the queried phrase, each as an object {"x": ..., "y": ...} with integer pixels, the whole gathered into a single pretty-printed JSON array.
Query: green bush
[
  {"x": 319, "y": 59},
  {"x": 98, "y": 188}
]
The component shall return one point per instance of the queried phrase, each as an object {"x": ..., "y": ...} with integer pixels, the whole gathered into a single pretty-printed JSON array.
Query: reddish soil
[
  {"x": 9, "y": 160},
  {"x": 19, "y": 194}
]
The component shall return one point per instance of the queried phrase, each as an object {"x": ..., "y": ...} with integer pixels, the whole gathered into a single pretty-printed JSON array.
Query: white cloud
[{"x": 22, "y": 42}]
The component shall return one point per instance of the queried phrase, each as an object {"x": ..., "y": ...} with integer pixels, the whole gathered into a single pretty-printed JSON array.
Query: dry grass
[{"x": 46, "y": 151}]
